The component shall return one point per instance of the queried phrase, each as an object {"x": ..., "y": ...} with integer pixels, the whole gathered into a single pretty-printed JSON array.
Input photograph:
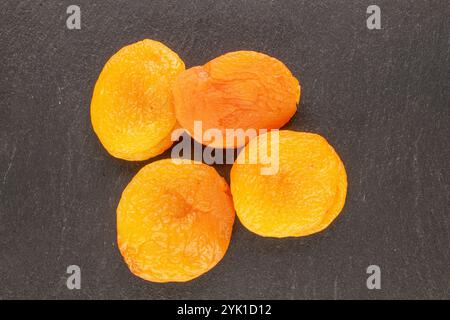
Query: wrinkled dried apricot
[
  {"x": 174, "y": 221},
  {"x": 132, "y": 109},
  {"x": 303, "y": 197},
  {"x": 238, "y": 90}
]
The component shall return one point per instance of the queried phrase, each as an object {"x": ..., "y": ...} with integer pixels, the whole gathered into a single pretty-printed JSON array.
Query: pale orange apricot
[
  {"x": 174, "y": 221},
  {"x": 303, "y": 197},
  {"x": 132, "y": 109}
]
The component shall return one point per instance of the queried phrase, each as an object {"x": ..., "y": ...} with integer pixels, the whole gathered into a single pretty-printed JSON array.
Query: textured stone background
[{"x": 380, "y": 97}]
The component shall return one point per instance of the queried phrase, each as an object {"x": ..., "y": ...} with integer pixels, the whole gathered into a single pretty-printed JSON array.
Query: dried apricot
[
  {"x": 174, "y": 221},
  {"x": 303, "y": 197},
  {"x": 238, "y": 90},
  {"x": 132, "y": 109}
]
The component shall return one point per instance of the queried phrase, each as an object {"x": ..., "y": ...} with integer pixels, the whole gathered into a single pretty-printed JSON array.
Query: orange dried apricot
[
  {"x": 238, "y": 90},
  {"x": 174, "y": 221},
  {"x": 132, "y": 109},
  {"x": 305, "y": 195}
]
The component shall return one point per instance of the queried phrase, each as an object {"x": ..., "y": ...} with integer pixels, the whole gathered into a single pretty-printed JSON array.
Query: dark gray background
[{"x": 380, "y": 97}]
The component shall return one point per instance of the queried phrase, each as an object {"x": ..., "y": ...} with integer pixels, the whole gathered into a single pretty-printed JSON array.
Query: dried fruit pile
[{"x": 174, "y": 220}]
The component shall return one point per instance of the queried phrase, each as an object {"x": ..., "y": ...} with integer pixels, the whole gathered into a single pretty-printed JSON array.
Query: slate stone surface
[{"x": 381, "y": 97}]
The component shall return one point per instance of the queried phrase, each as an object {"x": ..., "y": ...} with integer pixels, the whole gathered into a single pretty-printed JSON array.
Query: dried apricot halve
[
  {"x": 174, "y": 221},
  {"x": 132, "y": 109},
  {"x": 239, "y": 90},
  {"x": 304, "y": 195}
]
